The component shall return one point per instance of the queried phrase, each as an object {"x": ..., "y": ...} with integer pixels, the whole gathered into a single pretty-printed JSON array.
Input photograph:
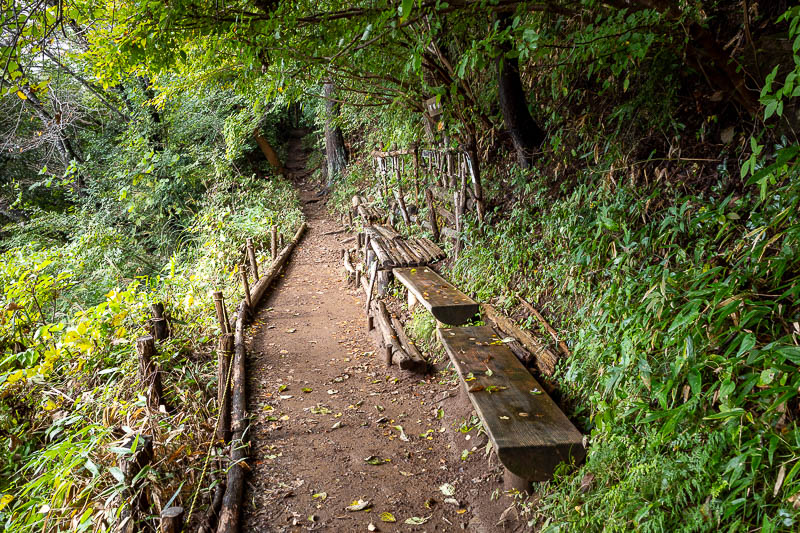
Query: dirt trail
[{"x": 322, "y": 402}]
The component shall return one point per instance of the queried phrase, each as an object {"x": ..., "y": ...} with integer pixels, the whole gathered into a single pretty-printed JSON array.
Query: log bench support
[{"x": 529, "y": 433}]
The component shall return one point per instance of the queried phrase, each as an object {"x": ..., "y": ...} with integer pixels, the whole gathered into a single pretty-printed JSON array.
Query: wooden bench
[
  {"x": 530, "y": 434},
  {"x": 446, "y": 303},
  {"x": 392, "y": 250}
]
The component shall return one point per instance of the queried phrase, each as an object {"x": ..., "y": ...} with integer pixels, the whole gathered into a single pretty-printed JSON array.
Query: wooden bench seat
[
  {"x": 446, "y": 303},
  {"x": 530, "y": 434},
  {"x": 392, "y": 250}
]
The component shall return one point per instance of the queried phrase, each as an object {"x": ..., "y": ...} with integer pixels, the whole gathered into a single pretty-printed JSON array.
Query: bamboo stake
[
  {"x": 251, "y": 254},
  {"x": 245, "y": 284}
]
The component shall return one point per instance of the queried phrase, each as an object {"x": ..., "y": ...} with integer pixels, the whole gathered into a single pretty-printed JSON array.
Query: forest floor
[{"x": 324, "y": 408}]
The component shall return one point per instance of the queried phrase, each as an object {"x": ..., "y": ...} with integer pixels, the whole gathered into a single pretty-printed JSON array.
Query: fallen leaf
[
  {"x": 452, "y": 501},
  {"x": 476, "y": 388},
  {"x": 359, "y": 505},
  {"x": 321, "y": 496},
  {"x": 374, "y": 460},
  {"x": 388, "y": 517},
  {"x": 306, "y": 390},
  {"x": 291, "y": 330},
  {"x": 416, "y": 520},
  {"x": 447, "y": 489},
  {"x": 403, "y": 436}
]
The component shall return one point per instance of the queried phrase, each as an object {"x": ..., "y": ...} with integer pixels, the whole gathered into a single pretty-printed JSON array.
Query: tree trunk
[
  {"x": 335, "y": 152},
  {"x": 63, "y": 144},
  {"x": 525, "y": 133}
]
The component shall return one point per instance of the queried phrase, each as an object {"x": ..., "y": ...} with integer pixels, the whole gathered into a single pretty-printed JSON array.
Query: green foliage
[{"x": 684, "y": 365}]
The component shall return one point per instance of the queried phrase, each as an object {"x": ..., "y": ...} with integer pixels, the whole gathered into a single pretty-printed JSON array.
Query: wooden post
[
  {"x": 373, "y": 273},
  {"x": 172, "y": 520},
  {"x": 457, "y": 239},
  {"x": 416, "y": 175},
  {"x": 280, "y": 241},
  {"x": 475, "y": 172},
  {"x": 349, "y": 218},
  {"x": 133, "y": 516},
  {"x": 251, "y": 255},
  {"x": 273, "y": 242},
  {"x": 398, "y": 194},
  {"x": 387, "y": 354},
  {"x": 246, "y": 285},
  {"x": 160, "y": 326},
  {"x": 219, "y": 304},
  {"x": 432, "y": 215},
  {"x": 224, "y": 354},
  {"x": 149, "y": 375}
]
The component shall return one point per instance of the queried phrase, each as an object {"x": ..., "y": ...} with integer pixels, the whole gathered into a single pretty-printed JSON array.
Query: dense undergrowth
[{"x": 76, "y": 281}]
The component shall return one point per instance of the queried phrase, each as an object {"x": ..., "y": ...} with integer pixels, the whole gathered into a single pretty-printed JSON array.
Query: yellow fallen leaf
[{"x": 388, "y": 517}]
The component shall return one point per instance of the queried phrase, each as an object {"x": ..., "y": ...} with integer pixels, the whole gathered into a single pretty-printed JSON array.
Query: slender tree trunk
[
  {"x": 157, "y": 133},
  {"x": 525, "y": 133},
  {"x": 63, "y": 144},
  {"x": 335, "y": 151}
]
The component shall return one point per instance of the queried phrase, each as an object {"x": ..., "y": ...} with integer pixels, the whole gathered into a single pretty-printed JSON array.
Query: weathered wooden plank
[
  {"x": 530, "y": 434},
  {"x": 446, "y": 303}
]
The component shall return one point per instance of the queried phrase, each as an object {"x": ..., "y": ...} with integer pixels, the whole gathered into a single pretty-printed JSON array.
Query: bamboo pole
[{"x": 251, "y": 255}]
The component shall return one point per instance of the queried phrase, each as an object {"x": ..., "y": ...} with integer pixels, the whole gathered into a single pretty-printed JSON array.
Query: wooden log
[
  {"x": 475, "y": 173},
  {"x": 209, "y": 522},
  {"x": 159, "y": 322},
  {"x": 373, "y": 274},
  {"x": 232, "y": 501},
  {"x": 544, "y": 358},
  {"x": 273, "y": 242},
  {"x": 269, "y": 276},
  {"x": 251, "y": 256},
  {"x": 135, "y": 506},
  {"x": 434, "y": 248},
  {"x": 377, "y": 246},
  {"x": 149, "y": 376},
  {"x": 224, "y": 325},
  {"x": 414, "y": 258},
  {"x": 172, "y": 520},
  {"x": 553, "y": 333},
  {"x": 348, "y": 266},
  {"x": 416, "y": 362},
  {"x": 382, "y": 282},
  {"x": 434, "y": 225},
  {"x": 447, "y": 215},
  {"x": 385, "y": 232},
  {"x": 405, "y": 258},
  {"x": 390, "y": 339},
  {"x": 394, "y": 254},
  {"x": 401, "y": 202},
  {"x": 423, "y": 251},
  {"x": 457, "y": 239},
  {"x": 245, "y": 285},
  {"x": 416, "y": 175},
  {"x": 224, "y": 354}
]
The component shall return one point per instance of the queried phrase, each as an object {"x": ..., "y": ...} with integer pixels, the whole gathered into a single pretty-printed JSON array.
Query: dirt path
[{"x": 322, "y": 403}]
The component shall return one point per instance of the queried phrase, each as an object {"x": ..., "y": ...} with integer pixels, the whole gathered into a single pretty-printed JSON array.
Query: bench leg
[
  {"x": 387, "y": 355},
  {"x": 382, "y": 283},
  {"x": 412, "y": 301},
  {"x": 512, "y": 481}
]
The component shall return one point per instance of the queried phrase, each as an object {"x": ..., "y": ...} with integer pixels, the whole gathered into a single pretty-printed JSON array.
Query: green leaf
[{"x": 406, "y": 9}]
